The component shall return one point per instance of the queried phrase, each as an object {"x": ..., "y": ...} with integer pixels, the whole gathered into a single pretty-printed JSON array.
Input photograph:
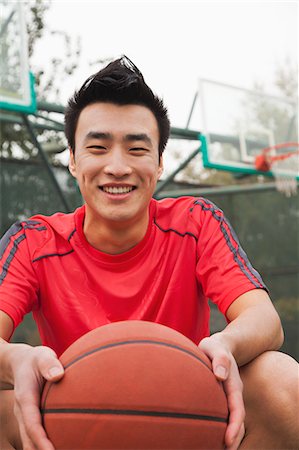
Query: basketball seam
[
  {"x": 133, "y": 412},
  {"x": 137, "y": 341},
  {"x": 116, "y": 344}
]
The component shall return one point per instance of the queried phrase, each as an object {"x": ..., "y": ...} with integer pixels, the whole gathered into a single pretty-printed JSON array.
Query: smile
[{"x": 117, "y": 189}]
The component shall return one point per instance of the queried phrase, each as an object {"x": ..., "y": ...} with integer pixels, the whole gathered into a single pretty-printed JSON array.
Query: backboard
[
  {"x": 16, "y": 82},
  {"x": 239, "y": 123}
]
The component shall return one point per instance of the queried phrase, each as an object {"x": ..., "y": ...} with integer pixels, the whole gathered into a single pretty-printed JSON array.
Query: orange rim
[{"x": 263, "y": 161}]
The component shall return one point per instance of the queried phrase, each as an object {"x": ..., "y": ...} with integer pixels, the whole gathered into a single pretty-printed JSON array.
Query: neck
[{"x": 114, "y": 238}]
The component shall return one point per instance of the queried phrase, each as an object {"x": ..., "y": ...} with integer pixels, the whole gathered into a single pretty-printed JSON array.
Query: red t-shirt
[{"x": 189, "y": 254}]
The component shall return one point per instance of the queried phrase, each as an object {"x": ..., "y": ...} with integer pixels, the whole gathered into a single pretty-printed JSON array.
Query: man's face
[{"x": 116, "y": 161}]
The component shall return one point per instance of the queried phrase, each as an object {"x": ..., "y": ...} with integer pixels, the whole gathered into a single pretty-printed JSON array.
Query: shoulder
[
  {"x": 187, "y": 214},
  {"x": 60, "y": 224},
  {"x": 40, "y": 232}
]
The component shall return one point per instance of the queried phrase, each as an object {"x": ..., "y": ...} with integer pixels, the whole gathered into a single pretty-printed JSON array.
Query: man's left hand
[{"x": 226, "y": 370}]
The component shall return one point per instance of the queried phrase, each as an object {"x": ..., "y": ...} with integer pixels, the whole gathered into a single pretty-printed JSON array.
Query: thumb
[
  {"x": 55, "y": 372},
  {"x": 218, "y": 355},
  {"x": 49, "y": 365},
  {"x": 221, "y": 367},
  {"x": 220, "y": 370}
]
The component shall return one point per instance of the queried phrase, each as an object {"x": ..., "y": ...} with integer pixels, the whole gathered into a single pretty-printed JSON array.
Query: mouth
[{"x": 117, "y": 190}]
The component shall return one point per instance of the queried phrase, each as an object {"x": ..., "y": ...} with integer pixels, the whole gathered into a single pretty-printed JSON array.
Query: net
[{"x": 283, "y": 161}]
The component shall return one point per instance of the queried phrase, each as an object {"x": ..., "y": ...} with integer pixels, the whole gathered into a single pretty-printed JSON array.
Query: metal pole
[
  {"x": 6, "y": 23},
  {"x": 184, "y": 133},
  {"x": 291, "y": 124},
  {"x": 192, "y": 108},
  {"x": 50, "y": 107},
  {"x": 14, "y": 118},
  {"x": 173, "y": 174},
  {"x": 222, "y": 190},
  {"x": 45, "y": 160}
]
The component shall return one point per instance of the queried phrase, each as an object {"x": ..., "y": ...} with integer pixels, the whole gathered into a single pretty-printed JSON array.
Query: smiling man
[
  {"x": 123, "y": 255},
  {"x": 117, "y": 165}
]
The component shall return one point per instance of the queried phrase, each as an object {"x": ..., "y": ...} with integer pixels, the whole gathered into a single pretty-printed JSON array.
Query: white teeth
[{"x": 117, "y": 190}]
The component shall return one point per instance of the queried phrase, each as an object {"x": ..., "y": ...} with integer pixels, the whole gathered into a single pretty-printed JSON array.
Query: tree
[
  {"x": 286, "y": 79},
  {"x": 271, "y": 114}
]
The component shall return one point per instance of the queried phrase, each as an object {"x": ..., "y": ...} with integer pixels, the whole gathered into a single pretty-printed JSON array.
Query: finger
[
  {"x": 221, "y": 359},
  {"x": 31, "y": 429},
  {"x": 234, "y": 391},
  {"x": 236, "y": 443},
  {"x": 48, "y": 364},
  {"x": 221, "y": 364},
  {"x": 26, "y": 443},
  {"x": 221, "y": 367},
  {"x": 226, "y": 370},
  {"x": 236, "y": 418}
]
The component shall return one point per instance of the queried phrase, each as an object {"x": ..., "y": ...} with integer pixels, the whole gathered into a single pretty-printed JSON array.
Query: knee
[
  {"x": 271, "y": 384},
  {"x": 6, "y": 406},
  {"x": 9, "y": 430}
]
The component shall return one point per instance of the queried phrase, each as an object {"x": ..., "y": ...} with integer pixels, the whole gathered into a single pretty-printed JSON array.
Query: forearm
[{"x": 254, "y": 330}]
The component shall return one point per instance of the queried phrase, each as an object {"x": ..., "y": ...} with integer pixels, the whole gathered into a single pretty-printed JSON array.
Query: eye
[
  {"x": 138, "y": 149},
  {"x": 96, "y": 148}
]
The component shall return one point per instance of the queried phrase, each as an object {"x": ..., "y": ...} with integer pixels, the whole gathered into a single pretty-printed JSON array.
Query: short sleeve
[
  {"x": 223, "y": 268},
  {"x": 18, "y": 283}
]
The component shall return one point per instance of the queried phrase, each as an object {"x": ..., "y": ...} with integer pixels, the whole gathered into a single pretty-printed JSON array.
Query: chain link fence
[{"x": 266, "y": 223}]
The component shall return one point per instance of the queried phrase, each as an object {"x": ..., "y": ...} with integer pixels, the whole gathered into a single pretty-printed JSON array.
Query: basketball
[{"x": 135, "y": 385}]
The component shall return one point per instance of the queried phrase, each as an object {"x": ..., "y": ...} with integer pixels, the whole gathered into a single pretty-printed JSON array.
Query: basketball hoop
[{"x": 283, "y": 161}]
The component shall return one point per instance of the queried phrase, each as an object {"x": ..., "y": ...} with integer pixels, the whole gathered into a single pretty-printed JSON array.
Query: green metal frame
[
  {"x": 233, "y": 169},
  {"x": 180, "y": 133},
  {"x": 25, "y": 109},
  {"x": 222, "y": 190},
  {"x": 33, "y": 124},
  {"x": 212, "y": 165}
]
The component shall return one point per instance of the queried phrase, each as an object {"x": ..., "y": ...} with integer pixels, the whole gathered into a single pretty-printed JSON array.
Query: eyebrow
[
  {"x": 138, "y": 137},
  {"x": 97, "y": 135},
  {"x": 128, "y": 138}
]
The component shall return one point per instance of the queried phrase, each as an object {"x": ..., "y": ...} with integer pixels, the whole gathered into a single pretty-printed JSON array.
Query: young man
[{"x": 126, "y": 256}]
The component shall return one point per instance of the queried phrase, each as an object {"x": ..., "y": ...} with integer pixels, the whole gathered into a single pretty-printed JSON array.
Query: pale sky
[{"x": 174, "y": 43}]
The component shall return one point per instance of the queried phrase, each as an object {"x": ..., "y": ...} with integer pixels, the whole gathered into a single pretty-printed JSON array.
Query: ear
[
  {"x": 161, "y": 167},
  {"x": 72, "y": 164}
]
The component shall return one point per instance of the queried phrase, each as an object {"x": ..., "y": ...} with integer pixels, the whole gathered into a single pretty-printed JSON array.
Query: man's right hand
[{"x": 28, "y": 368}]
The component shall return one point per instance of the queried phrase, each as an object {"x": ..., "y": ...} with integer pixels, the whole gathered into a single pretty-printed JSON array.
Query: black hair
[{"x": 121, "y": 83}]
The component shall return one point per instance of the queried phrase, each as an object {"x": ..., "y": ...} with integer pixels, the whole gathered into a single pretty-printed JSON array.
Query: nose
[{"x": 117, "y": 164}]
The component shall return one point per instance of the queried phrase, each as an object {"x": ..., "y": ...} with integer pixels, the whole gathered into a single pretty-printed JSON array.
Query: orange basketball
[{"x": 135, "y": 385}]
